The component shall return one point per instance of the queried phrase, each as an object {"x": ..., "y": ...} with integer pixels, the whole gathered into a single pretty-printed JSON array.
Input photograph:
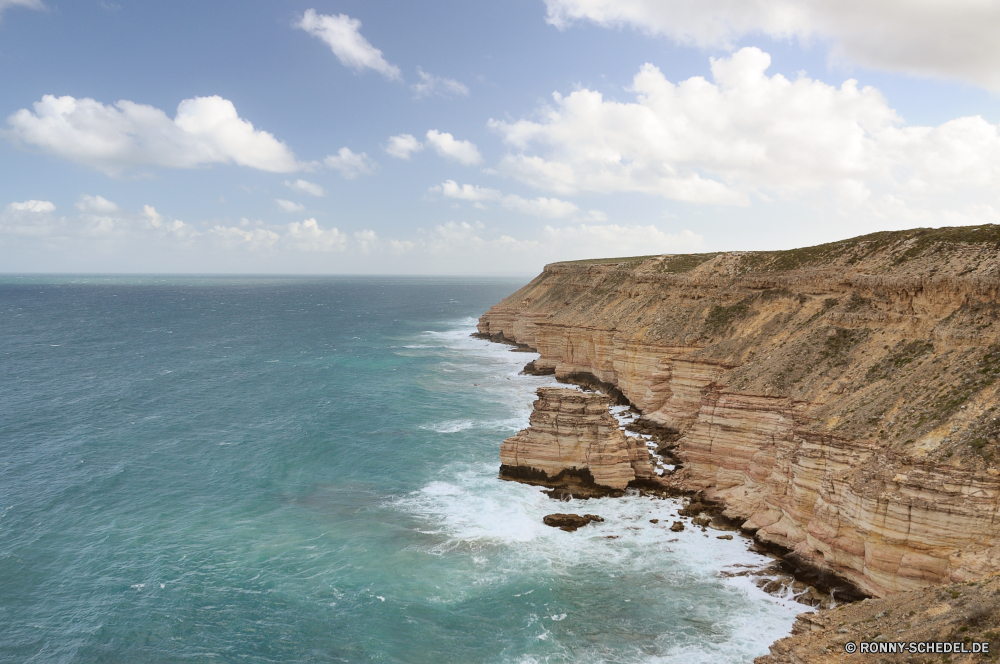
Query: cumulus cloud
[
  {"x": 342, "y": 34},
  {"x": 437, "y": 85},
  {"x": 97, "y": 204},
  {"x": 745, "y": 133},
  {"x": 367, "y": 241},
  {"x": 98, "y": 218},
  {"x": 255, "y": 238},
  {"x": 956, "y": 39},
  {"x": 178, "y": 228},
  {"x": 402, "y": 146},
  {"x": 154, "y": 217},
  {"x": 465, "y": 192},
  {"x": 464, "y": 152},
  {"x": 539, "y": 207},
  {"x": 30, "y": 218},
  {"x": 349, "y": 163},
  {"x": 34, "y": 206},
  {"x": 306, "y": 187},
  {"x": 289, "y": 206},
  {"x": 308, "y": 236},
  {"x": 112, "y": 138}
]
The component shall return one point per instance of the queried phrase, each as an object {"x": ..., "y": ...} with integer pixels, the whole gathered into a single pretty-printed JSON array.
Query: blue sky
[{"x": 482, "y": 138}]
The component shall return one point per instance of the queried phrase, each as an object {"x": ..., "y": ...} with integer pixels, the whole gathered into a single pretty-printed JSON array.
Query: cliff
[{"x": 839, "y": 399}]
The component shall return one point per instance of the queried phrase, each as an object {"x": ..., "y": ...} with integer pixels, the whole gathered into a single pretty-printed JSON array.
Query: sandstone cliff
[
  {"x": 573, "y": 439},
  {"x": 840, "y": 399}
]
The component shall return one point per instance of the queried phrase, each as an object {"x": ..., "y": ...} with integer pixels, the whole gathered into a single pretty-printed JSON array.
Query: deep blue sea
[{"x": 304, "y": 470}]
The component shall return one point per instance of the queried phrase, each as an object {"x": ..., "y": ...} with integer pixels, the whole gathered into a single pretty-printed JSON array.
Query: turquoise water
[{"x": 304, "y": 470}]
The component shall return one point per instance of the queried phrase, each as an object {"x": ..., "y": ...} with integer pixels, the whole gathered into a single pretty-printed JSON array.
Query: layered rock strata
[
  {"x": 841, "y": 400},
  {"x": 573, "y": 439}
]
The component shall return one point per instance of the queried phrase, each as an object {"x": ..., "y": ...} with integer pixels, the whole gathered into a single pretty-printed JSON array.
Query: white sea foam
[
  {"x": 502, "y": 522},
  {"x": 450, "y": 426},
  {"x": 498, "y": 526}
]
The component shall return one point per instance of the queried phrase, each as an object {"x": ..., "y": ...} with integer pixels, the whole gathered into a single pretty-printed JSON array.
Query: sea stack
[{"x": 574, "y": 442}]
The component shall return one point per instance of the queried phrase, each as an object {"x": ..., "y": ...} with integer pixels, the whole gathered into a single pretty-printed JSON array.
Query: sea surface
[{"x": 305, "y": 470}]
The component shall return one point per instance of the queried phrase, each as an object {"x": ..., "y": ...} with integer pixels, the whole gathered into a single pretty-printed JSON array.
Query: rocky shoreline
[
  {"x": 571, "y": 432},
  {"x": 836, "y": 403}
]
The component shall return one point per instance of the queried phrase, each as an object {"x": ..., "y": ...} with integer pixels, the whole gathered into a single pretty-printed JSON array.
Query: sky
[{"x": 445, "y": 137}]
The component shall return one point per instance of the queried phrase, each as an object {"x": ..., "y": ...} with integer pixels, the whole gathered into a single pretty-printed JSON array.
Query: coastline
[
  {"x": 809, "y": 585},
  {"x": 834, "y": 402}
]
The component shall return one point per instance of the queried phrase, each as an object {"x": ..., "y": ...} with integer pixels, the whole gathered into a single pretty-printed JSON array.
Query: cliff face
[
  {"x": 573, "y": 435},
  {"x": 840, "y": 399}
]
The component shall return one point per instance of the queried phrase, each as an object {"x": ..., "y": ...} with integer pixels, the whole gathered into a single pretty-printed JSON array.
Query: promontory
[{"x": 839, "y": 401}]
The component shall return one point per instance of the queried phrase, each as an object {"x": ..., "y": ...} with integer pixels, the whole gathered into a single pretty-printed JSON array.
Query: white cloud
[
  {"x": 747, "y": 133},
  {"x": 465, "y": 192},
  {"x": 539, "y": 207},
  {"x": 341, "y": 33},
  {"x": 30, "y": 4},
  {"x": 349, "y": 163},
  {"x": 367, "y": 241},
  {"x": 28, "y": 219},
  {"x": 956, "y": 39},
  {"x": 154, "y": 217},
  {"x": 206, "y": 130},
  {"x": 305, "y": 187},
  {"x": 464, "y": 152},
  {"x": 402, "y": 146},
  {"x": 257, "y": 238},
  {"x": 437, "y": 85},
  {"x": 289, "y": 206},
  {"x": 399, "y": 247},
  {"x": 37, "y": 207},
  {"x": 308, "y": 236},
  {"x": 95, "y": 204}
]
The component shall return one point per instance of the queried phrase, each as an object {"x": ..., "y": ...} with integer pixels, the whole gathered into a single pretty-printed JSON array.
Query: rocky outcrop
[
  {"x": 573, "y": 440},
  {"x": 840, "y": 400},
  {"x": 569, "y": 522},
  {"x": 908, "y": 627}
]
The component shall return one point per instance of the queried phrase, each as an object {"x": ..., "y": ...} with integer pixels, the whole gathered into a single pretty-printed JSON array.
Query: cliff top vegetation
[{"x": 897, "y": 246}]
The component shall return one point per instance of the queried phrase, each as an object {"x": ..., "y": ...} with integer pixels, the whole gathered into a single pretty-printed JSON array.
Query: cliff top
[{"x": 882, "y": 251}]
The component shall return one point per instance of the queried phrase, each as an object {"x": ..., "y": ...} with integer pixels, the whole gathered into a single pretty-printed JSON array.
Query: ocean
[{"x": 265, "y": 469}]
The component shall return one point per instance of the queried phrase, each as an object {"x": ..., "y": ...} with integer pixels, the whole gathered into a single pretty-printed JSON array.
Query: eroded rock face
[
  {"x": 574, "y": 440},
  {"x": 841, "y": 399}
]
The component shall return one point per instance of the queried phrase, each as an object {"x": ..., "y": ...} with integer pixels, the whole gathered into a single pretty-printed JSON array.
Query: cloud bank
[
  {"x": 955, "y": 39},
  {"x": 746, "y": 134}
]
